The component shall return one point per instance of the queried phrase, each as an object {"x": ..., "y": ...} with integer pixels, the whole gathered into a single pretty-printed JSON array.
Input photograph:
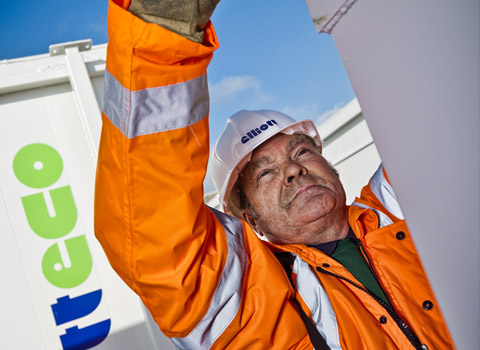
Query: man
[{"x": 351, "y": 278}]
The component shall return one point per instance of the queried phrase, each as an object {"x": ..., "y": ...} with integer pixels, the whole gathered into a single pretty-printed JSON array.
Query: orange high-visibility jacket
[{"x": 207, "y": 279}]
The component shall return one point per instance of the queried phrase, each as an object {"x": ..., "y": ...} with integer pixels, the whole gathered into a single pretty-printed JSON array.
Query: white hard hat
[{"x": 245, "y": 131}]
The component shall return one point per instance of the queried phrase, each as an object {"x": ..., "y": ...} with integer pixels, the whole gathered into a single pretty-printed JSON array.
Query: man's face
[{"x": 296, "y": 195}]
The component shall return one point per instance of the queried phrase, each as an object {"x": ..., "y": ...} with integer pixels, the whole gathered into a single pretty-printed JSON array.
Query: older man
[{"x": 326, "y": 275}]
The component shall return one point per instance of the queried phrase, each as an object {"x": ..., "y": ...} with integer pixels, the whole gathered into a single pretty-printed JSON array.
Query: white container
[{"x": 58, "y": 289}]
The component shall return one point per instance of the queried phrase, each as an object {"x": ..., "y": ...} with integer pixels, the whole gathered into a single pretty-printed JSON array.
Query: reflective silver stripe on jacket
[
  {"x": 385, "y": 194},
  {"x": 316, "y": 298},
  {"x": 152, "y": 110},
  {"x": 226, "y": 300}
]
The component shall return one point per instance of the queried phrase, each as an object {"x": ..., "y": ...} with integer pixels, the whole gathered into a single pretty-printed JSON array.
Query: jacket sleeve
[{"x": 149, "y": 213}]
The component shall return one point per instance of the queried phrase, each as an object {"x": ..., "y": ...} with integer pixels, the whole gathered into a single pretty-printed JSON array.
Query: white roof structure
[{"x": 349, "y": 147}]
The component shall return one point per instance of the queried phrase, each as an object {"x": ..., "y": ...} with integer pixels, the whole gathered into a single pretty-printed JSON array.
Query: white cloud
[
  {"x": 301, "y": 112},
  {"x": 230, "y": 86},
  {"x": 311, "y": 112},
  {"x": 322, "y": 118}
]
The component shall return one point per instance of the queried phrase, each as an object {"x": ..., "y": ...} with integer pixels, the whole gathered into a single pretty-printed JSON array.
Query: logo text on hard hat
[{"x": 257, "y": 131}]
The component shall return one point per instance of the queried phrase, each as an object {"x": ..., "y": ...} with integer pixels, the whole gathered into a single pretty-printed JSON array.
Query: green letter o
[{"x": 37, "y": 165}]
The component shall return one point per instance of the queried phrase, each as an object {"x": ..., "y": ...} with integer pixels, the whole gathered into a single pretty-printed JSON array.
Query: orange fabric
[
  {"x": 401, "y": 274},
  {"x": 139, "y": 57},
  {"x": 267, "y": 318},
  {"x": 128, "y": 218},
  {"x": 149, "y": 212},
  {"x": 395, "y": 262},
  {"x": 171, "y": 250},
  {"x": 397, "y": 265}
]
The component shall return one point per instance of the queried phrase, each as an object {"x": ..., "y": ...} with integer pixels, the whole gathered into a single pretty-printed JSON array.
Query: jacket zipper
[{"x": 411, "y": 336}]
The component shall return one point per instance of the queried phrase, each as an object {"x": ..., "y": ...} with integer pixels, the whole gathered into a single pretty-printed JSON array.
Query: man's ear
[{"x": 249, "y": 219}]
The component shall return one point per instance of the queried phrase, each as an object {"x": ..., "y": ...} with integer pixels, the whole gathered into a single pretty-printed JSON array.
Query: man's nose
[{"x": 292, "y": 171}]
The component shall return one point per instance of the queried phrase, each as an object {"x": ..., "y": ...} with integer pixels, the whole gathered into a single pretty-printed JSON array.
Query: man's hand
[{"x": 184, "y": 17}]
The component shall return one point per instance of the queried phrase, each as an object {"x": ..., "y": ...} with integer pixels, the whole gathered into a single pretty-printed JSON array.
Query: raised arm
[
  {"x": 149, "y": 212},
  {"x": 208, "y": 281}
]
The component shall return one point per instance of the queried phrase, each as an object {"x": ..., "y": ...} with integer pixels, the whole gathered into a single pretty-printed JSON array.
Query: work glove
[{"x": 185, "y": 17}]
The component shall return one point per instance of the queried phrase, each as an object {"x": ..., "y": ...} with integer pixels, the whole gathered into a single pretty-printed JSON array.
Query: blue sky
[{"x": 270, "y": 56}]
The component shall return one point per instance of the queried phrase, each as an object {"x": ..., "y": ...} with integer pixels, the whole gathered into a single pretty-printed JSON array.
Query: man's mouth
[
  {"x": 301, "y": 190},
  {"x": 298, "y": 192}
]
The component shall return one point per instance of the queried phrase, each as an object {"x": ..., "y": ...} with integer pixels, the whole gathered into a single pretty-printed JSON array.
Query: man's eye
[
  {"x": 303, "y": 151},
  {"x": 263, "y": 173}
]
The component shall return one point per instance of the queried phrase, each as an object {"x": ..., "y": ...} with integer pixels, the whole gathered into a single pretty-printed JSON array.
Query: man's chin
[{"x": 316, "y": 208}]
